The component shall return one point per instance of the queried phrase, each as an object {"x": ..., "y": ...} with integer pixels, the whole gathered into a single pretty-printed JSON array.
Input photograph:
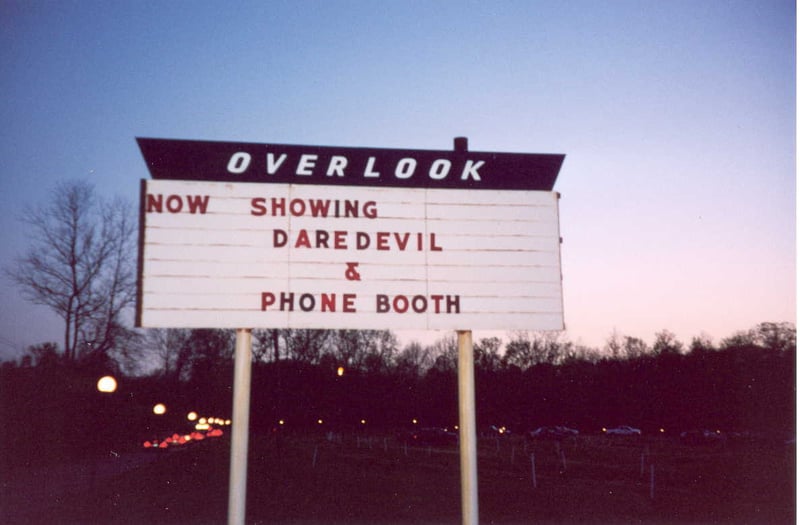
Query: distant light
[
  {"x": 340, "y": 371},
  {"x": 604, "y": 429},
  {"x": 107, "y": 384},
  {"x": 414, "y": 421},
  {"x": 455, "y": 427},
  {"x": 319, "y": 421},
  {"x": 201, "y": 426},
  {"x": 363, "y": 421},
  {"x": 159, "y": 409},
  {"x": 281, "y": 422},
  {"x": 227, "y": 422},
  {"x": 191, "y": 416},
  {"x": 661, "y": 430},
  {"x": 203, "y": 421}
]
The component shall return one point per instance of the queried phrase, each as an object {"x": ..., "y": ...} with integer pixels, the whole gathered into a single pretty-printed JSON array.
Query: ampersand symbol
[{"x": 351, "y": 274}]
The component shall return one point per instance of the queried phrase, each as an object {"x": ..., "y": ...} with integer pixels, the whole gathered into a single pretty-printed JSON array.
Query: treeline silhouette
[{"x": 51, "y": 409}]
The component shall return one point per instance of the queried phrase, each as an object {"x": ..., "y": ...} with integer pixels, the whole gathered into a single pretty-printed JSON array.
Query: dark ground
[{"x": 378, "y": 480}]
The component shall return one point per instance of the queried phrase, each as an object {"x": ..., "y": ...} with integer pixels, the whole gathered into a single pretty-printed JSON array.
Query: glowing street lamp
[
  {"x": 159, "y": 409},
  {"x": 340, "y": 371},
  {"x": 107, "y": 385},
  {"x": 191, "y": 416}
]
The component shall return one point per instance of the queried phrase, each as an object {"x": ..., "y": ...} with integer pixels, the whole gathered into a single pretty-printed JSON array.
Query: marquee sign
[{"x": 347, "y": 238}]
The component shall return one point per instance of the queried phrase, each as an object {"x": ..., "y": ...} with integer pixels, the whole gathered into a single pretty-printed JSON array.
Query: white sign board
[{"x": 245, "y": 254}]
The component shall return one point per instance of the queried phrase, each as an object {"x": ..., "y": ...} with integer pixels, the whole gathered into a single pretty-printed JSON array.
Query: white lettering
[
  {"x": 439, "y": 169},
  {"x": 405, "y": 168},
  {"x": 337, "y": 166},
  {"x": 306, "y": 164},
  {"x": 239, "y": 162},
  {"x": 273, "y": 166},
  {"x": 471, "y": 170},
  {"x": 368, "y": 171}
]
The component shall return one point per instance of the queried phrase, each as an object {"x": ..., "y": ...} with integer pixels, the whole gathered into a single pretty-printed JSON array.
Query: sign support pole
[
  {"x": 237, "y": 487},
  {"x": 467, "y": 431}
]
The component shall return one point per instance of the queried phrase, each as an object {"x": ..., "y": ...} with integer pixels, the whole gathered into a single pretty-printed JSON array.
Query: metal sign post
[
  {"x": 467, "y": 430},
  {"x": 237, "y": 488}
]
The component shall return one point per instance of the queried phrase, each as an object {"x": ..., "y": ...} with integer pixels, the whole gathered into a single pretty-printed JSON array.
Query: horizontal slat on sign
[
  {"x": 214, "y": 269},
  {"x": 489, "y": 228},
  {"x": 217, "y": 253},
  {"x": 208, "y": 237},
  {"x": 484, "y": 212},
  {"x": 540, "y": 274},
  {"x": 188, "y": 286},
  {"x": 498, "y": 242},
  {"x": 492, "y": 261},
  {"x": 491, "y": 321}
]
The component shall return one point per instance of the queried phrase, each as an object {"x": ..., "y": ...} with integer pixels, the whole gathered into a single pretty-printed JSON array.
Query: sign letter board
[{"x": 257, "y": 235}]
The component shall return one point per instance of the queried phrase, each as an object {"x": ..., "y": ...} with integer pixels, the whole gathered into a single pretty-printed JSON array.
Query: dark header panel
[{"x": 391, "y": 168}]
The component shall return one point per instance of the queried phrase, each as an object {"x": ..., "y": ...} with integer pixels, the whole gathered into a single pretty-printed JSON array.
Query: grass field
[{"x": 592, "y": 479}]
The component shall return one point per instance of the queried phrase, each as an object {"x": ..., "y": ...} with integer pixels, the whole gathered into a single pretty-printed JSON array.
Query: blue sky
[{"x": 677, "y": 120}]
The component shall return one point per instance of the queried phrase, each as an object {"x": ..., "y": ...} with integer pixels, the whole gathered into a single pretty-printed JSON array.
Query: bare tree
[
  {"x": 445, "y": 353},
  {"x": 168, "y": 347},
  {"x": 667, "y": 343},
  {"x": 487, "y": 354},
  {"x": 414, "y": 360},
  {"x": 306, "y": 345},
  {"x": 526, "y": 349},
  {"x": 81, "y": 265}
]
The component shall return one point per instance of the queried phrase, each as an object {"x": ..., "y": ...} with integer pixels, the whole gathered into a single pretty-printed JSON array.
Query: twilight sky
[{"x": 677, "y": 120}]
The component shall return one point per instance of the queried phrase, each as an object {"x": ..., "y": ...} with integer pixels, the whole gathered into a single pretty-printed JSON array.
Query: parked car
[
  {"x": 623, "y": 430},
  {"x": 702, "y": 437},
  {"x": 432, "y": 436},
  {"x": 553, "y": 432},
  {"x": 497, "y": 431}
]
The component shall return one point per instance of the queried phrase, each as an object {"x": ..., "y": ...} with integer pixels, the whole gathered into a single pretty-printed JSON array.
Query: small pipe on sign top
[
  {"x": 533, "y": 469},
  {"x": 314, "y": 459},
  {"x": 563, "y": 461}
]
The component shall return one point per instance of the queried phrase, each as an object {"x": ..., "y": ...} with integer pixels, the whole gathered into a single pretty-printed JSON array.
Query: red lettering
[
  {"x": 400, "y": 304},
  {"x": 258, "y": 206},
  {"x": 279, "y": 238},
  {"x": 434, "y": 248},
  {"x": 381, "y": 303},
  {"x": 402, "y": 240},
  {"x": 348, "y": 305},
  {"x": 362, "y": 240},
  {"x": 382, "y": 241},
  {"x": 340, "y": 240},
  {"x": 302, "y": 240},
  {"x": 155, "y": 203},
  {"x": 174, "y": 204},
  {"x": 319, "y": 207},
  {"x": 267, "y": 300},
  {"x": 197, "y": 203},
  {"x": 297, "y": 207},
  {"x": 322, "y": 239},
  {"x": 328, "y": 302}
]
